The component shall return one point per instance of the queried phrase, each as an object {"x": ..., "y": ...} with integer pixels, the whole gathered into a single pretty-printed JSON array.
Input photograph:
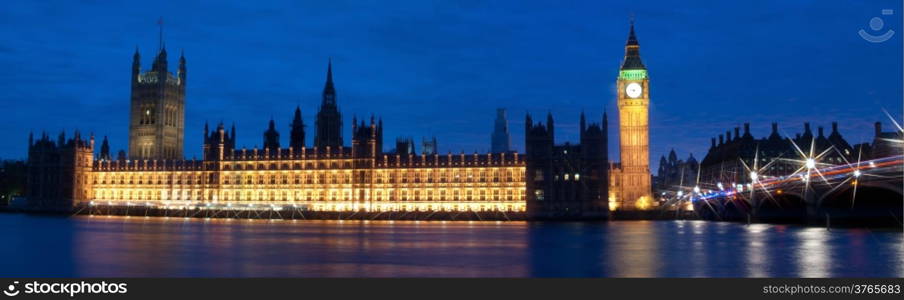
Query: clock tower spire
[{"x": 635, "y": 190}]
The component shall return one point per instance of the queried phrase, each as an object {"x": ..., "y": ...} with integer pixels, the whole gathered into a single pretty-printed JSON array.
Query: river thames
[{"x": 101, "y": 246}]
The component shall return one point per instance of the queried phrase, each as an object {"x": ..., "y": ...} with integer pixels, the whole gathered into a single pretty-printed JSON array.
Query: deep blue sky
[{"x": 441, "y": 68}]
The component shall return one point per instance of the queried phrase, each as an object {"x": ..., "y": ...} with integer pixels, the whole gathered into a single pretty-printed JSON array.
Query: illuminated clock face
[{"x": 633, "y": 90}]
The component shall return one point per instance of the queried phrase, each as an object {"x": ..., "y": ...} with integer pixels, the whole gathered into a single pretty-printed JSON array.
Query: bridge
[{"x": 861, "y": 193}]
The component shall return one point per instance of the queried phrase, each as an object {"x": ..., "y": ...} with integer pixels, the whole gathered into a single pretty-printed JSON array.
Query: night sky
[{"x": 441, "y": 68}]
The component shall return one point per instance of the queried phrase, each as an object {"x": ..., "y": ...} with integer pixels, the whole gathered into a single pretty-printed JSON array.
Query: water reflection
[
  {"x": 116, "y": 246},
  {"x": 812, "y": 252},
  {"x": 756, "y": 251},
  {"x": 633, "y": 250}
]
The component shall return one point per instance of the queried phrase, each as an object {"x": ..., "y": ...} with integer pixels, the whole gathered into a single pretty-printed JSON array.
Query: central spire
[
  {"x": 632, "y": 52},
  {"x": 632, "y": 37},
  {"x": 329, "y": 120},
  {"x": 329, "y": 92}
]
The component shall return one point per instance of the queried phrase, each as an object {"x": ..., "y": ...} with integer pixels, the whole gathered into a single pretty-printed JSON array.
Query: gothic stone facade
[
  {"x": 157, "y": 122},
  {"x": 632, "y": 183},
  {"x": 566, "y": 181}
]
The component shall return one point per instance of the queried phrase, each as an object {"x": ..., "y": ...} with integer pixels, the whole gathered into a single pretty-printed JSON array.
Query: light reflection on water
[
  {"x": 38, "y": 246},
  {"x": 812, "y": 254}
]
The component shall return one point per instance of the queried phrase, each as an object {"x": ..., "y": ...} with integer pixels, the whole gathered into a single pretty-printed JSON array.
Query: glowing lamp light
[
  {"x": 753, "y": 176},
  {"x": 721, "y": 187},
  {"x": 811, "y": 163},
  {"x": 680, "y": 193},
  {"x": 697, "y": 189},
  {"x": 857, "y": 173}
]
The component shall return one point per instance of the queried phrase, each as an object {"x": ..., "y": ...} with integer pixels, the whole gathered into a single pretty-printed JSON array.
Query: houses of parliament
[{"x": 547, "y": 181}]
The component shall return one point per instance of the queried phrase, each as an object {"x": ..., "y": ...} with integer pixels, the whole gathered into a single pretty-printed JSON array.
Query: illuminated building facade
[
  {"x": 327, "y": 177},
  {"x": 632, "y": 186},
  {"x": 548, "y": 181},
  {"x": 157, "y": 115},
  {"x": 342, "y": 179}
]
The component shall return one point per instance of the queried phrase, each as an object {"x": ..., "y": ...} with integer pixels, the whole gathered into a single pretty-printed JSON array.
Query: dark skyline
[{"x": 442, "y": 69}]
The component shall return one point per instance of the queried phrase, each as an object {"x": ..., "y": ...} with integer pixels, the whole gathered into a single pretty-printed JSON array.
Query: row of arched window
[{"x": 468, "y": 194}]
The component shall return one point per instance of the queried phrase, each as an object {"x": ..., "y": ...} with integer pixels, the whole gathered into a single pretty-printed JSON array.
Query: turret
[
  {"x": 160, "y": 63},
  {"x": 271, "y": 137},
  {"x": 296, "y": 135},
  {"x": 605, "y": 127},
  {"x": 329, "y": 120},
  {"x": 232, "y": 137},
  {"x": 105, "y": 149},
  {"x": 136, "y": 66},
  {"x": 583, "y": 125},
  {"x": 550, "y": 128},
  {"x": 380, "y": 136},
  {"x": 182, "y": 70},
  {"x": 329, "y": 92}
]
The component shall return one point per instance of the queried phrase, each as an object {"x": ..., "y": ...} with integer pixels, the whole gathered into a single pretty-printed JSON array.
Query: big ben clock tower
[{"x": 634, "y": 140}]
